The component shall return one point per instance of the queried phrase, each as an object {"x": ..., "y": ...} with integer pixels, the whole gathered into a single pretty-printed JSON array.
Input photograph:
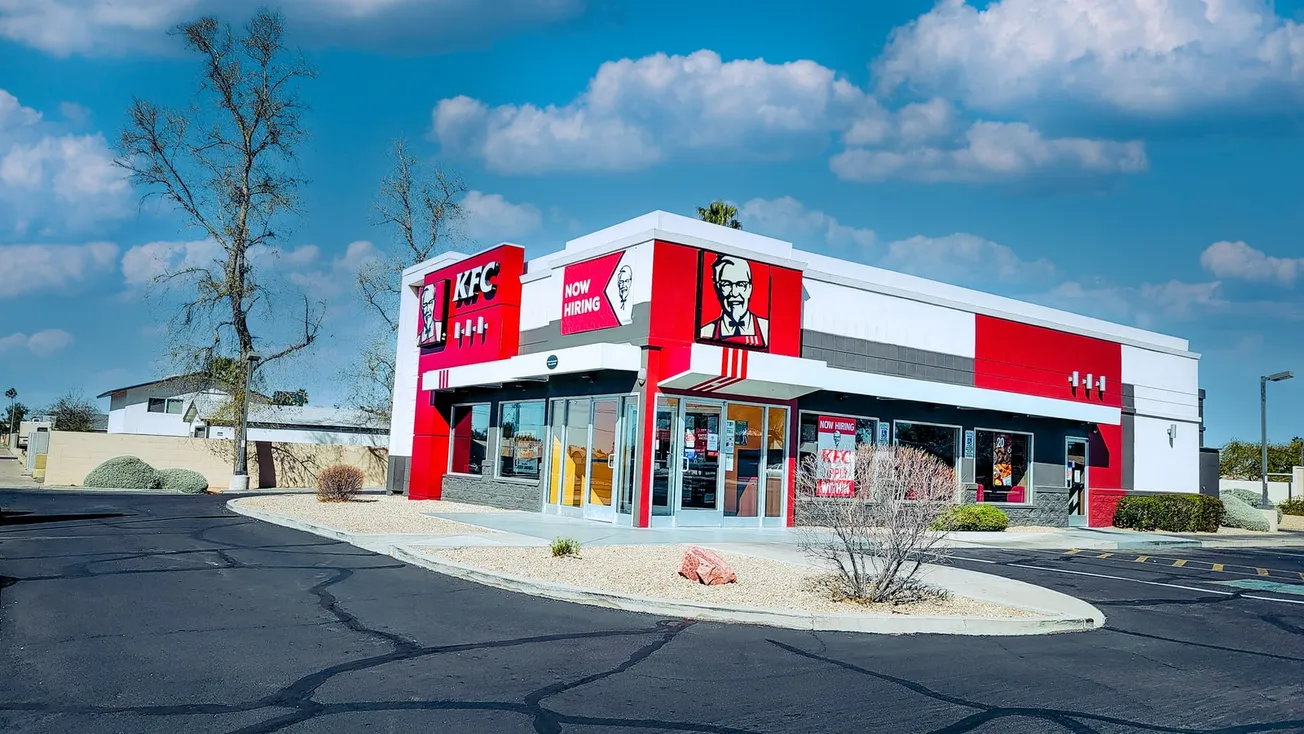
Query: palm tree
[{"x": 719, "y": 213}]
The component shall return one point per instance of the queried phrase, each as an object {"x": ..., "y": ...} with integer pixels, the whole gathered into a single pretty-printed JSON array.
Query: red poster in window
[
  {"x": 836, "y": 442},
  {"x": 733, "y": 301}
]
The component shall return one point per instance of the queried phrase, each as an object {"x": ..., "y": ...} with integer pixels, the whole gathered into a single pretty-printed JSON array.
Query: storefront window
[
  {"x": 470, "y": 438},
  {"x": 520, "y": 439},
  {"x": 940, "y": 441},
  {"x": 776, "y": 460},
  {"x": 829, "y": 444},
  {"x": 1002, "y": 464}
]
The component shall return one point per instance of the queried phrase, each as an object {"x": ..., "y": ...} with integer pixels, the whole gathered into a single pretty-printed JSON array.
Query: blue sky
[{"x": 1132, "y": 160}]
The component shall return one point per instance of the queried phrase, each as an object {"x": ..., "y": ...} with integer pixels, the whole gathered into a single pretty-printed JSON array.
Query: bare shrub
[
  {"x": 874, "y": 522},
  {"x": 339, "y": 483}
]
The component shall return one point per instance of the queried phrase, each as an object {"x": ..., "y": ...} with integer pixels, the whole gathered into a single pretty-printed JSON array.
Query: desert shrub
[
  {"x": 974, "y": 517},
  {"x": 123, "y": 472},
  {"x": 339, "y": 483},
  {"x": 562, "y": 547},
  {"x": 1250, "y": 497},
  {"x": 1238, "y": 514},
  {"x": 1292, "y": 506},
  {"x": 872, "y": 521},
  {"x": 184, "y": 480},
  {"x": 1178, "y": 513}
]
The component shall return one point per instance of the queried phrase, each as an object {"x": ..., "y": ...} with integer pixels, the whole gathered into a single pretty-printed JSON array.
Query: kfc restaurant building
[{"x": 666, "y": 372}]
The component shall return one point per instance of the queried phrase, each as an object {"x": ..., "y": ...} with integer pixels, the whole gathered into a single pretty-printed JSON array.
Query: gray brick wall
[
  {"x": 486, "y": 490},
  {"x": 862, "y": 355},
  {"x": 1049, "y": 506}
]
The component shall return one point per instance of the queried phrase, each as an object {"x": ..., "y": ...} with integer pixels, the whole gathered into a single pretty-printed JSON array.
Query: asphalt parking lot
[{"x": 151, "y": 613}]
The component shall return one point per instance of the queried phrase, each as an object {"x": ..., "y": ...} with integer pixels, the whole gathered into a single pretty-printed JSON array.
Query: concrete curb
[
  {"x": 895, "y": 624},
  {"x": 110, "y": 490}
]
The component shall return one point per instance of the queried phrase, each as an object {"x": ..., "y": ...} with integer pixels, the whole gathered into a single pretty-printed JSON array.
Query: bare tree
[
  {"x": 421, "y": 206},
  {"x": 227, "y": 164},
  {"x": 73, "y": 412},
  {"x": 875, "y": 522}
]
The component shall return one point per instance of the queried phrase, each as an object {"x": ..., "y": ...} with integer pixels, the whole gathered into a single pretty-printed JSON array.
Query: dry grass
[
  {"x": 652, "y": 571},
  {"x": 370, "y": 513}
]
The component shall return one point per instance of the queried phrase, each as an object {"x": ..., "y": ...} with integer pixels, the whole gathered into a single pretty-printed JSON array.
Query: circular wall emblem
[{"x": 552, "y": 361}]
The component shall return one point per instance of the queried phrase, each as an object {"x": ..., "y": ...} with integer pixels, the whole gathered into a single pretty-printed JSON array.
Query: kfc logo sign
[
  {"x": 431, "y": 320},
  {"x": 733, "y": 301},
  {"x": 476, "y": 281},
  {"x": 598, "y": 293}
]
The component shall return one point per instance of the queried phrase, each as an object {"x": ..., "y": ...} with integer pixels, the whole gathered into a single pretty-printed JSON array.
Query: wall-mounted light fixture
[
  {"x": 1172, "y": 433},
  {"x": 1073, "y": 380},
  {"x": 1100, "y": 385}
]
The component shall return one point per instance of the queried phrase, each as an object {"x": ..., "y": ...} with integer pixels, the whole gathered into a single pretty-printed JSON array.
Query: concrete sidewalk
[{"x": 12, "y": 474}]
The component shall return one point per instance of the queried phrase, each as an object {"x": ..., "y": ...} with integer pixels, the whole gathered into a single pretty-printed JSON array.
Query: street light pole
[
  {"x": 1263, "y": 429},
  {"x": 240, "y": 475}
]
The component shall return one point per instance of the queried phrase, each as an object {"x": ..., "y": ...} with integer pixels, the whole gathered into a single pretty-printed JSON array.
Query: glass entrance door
[
  {"x": 699, "y": 468},
  {"x": 1075, "y": 478},
  {"x": 592, "y": 457}
]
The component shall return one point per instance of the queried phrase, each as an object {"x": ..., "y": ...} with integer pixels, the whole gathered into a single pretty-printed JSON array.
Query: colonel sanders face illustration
[
  {"x": 427, "y": 314},
  {"x": 731, "y": 278},
  {"x": 624, "y": 279}
]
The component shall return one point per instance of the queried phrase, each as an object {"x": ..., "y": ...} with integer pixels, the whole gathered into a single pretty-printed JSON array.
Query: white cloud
[
  {"x": 1140, "y": 58},
  {"x": 491, "y": 217},
  {"x": 27, "y": 269},
  {"x": 1146, "y": 305},
  {"x": 965, "y": 259},
  {"x": 1239, "y": 261},
  {"x": 143, "y": 263},
  {"x": 790, "y": 219},
  {"x": 992, "y": 151},
  {"x": 57, "y": 180},
  {"x": 636, "y": 112},
  {"x": 97, "y": 27},
  {"x": 338, "y": 275},
  {"x": 43, "y": 343}
]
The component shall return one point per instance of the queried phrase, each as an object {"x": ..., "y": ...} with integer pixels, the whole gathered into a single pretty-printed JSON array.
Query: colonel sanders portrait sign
[
  {"x": 733, "y": 301},
  {"x": 433, "y": 316},
  {"x": 598, "y": 293}
]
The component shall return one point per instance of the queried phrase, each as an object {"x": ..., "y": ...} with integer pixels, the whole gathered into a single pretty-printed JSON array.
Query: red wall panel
[{"x": 1034, "y": 360}]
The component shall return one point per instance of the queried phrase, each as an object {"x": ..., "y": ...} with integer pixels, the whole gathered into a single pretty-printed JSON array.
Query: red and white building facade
[{"x": 669, "y": 372}]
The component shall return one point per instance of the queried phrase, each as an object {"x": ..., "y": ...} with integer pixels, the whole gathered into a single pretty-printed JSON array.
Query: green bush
[
  {"x": 1249, "y": 497},
  {"x": 123, "y": 472},
  {"x": 562, "y": 547},
  {"x": 1239, "y": 514},
  {"x": 1177, "y": 513},
  {"x": 973, "y": 517},
  {"x": 1292, "y": 506},
  {"x": 184, "y": 480}
]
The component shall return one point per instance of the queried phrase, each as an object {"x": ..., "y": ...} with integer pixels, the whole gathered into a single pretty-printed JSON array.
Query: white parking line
[{"x": 1135, "y": 581}]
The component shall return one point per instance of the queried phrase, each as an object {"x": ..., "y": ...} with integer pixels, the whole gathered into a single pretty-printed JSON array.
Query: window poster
[
  {"x": 836, "y": 441},
  {"x": 1002, "y": 461}
]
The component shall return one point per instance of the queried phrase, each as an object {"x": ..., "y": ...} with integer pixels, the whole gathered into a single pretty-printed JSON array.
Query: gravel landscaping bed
[
  {"x": 1291, "y": 522},
  {"x": 652, "y": 571},
  {"x": 370, "y": 513}
]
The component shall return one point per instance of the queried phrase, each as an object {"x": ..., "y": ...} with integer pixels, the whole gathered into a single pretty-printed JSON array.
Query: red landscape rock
[{"x": 706, "y": 567}]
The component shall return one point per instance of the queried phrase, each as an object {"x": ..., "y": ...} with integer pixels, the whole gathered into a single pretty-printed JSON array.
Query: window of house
[
  {"x": 938, "y": 440},
  {"x": 1002, "y": 466},
  {"x": 826, "y": 431},
  {"x": 470, "y": 439},
  {"x": 165, "y": 405},
  {"x": 520, "y": 439}
]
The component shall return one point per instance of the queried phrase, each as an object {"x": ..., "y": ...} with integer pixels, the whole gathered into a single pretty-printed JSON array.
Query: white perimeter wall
[
  {"x": 846, "y": 311},
  {"x": 337, "y": 438}
]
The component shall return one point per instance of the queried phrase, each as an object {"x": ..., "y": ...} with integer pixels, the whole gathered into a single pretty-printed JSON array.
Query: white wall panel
[
  {"x": 838, "y": 309},
  {"x": 1161, "y": 466},
  {"x": 1166, "y": 385}
]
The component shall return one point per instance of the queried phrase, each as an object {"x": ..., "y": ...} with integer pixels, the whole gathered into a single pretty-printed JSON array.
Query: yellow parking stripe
[
  {"x": 1072, "y": 551},
  {"x": 1217, "y": 567},
  {"x": 1262, "y": 571},
  {"x": 1104, "y": 555},
  {"x": 1180, "y": 563},
  {"x": 1141, "y": 559}
]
